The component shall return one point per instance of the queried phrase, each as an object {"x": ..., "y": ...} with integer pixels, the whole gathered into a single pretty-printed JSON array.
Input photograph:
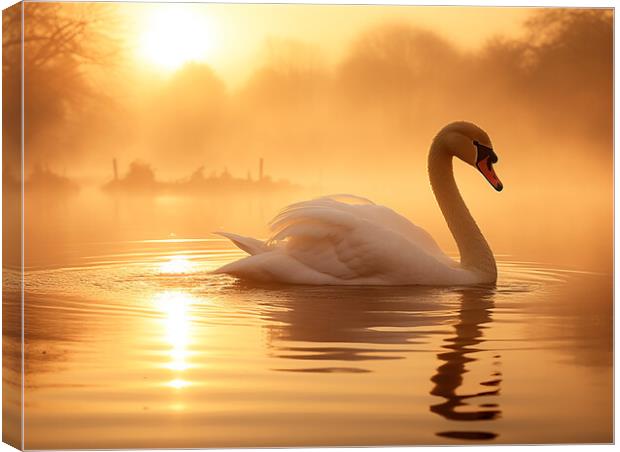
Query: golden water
[
  {"x": 142, "y": 347},
  {"x": 131, "y": 342}
]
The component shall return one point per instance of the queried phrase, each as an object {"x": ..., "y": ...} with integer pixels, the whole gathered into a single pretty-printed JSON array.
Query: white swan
[{"x": 347, "y": 240}]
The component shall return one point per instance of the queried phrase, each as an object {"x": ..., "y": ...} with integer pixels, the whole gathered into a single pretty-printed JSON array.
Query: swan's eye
[{"x": 484, "y": 152}]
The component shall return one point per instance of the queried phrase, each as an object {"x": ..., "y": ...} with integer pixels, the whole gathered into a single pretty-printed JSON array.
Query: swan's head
[{"x": 471, "y": 144}]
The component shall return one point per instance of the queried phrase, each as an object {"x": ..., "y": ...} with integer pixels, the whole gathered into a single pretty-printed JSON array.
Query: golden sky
[
  {"x": 360, "y": 121},
  {"x": 232, "y": 37}
]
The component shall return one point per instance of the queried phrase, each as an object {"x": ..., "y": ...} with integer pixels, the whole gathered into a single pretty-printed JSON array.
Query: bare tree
[{"x": 63, "y": 44}]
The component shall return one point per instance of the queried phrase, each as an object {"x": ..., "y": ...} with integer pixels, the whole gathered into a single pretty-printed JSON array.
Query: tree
[{"x": 63, "y": 44}]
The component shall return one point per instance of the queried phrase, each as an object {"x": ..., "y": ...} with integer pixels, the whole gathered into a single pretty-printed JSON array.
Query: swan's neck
[{"x": 474, "y": 250}]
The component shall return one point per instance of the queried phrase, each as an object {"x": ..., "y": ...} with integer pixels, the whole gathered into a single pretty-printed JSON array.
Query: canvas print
[{"x": 281, "y": 225}]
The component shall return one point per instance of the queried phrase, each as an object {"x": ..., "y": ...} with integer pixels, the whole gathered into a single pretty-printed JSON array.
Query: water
[{"x": 135, "y": 344}]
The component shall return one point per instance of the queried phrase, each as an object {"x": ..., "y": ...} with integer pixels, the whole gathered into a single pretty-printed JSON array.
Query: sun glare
[
  {"x": 173, "y": 35},
  {"x": 175, "y": 307},
  {"x": 177, "y": 264},
  {"x": 178, "y": 383}
]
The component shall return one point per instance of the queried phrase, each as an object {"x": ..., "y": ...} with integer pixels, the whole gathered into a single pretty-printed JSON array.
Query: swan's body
[{"x": 347, "y": 240}]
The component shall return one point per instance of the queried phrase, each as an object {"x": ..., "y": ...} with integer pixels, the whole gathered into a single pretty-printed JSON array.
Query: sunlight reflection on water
[
  {"x": 371, "y": 365},
  {"x": 175, "y": 306},
  {"x": 177, "y": 264}
]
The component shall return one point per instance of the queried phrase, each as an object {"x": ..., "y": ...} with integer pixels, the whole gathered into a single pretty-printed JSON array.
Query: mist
[{"x": 361, "y": 123}]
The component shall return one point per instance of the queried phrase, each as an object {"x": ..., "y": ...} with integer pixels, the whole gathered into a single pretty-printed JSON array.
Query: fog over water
[{"x": 360, "y": 123}]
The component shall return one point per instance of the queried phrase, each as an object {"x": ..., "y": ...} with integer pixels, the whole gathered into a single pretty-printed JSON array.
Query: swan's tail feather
[{"x": 247, "y": 244}]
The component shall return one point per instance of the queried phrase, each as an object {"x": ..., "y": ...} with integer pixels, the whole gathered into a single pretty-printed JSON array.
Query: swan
[{"x": 349, "y": 240}]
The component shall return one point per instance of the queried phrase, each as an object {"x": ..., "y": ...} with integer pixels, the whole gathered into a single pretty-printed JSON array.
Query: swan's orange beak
[
  {"x": 485, "y": 158},
  {"x": 486, "y": 168}
]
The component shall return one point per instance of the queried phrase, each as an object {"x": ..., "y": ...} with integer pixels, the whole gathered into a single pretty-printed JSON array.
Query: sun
[{"x": 173, "y": 35}]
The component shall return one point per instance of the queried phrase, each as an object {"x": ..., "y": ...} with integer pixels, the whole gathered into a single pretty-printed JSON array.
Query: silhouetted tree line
[{"x": 396, "y": 84}]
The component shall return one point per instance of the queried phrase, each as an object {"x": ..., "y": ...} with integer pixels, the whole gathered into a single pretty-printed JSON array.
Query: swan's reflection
[
  {"x": 363, "y": 324},
  {"x": 474, "y": 313},
  {"x": 354, "y": 325}
]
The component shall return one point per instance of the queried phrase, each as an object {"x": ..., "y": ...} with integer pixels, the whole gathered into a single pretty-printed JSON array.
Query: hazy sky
[
  {"x": 360, "y": 123},
  {"x": 231, "y": 37}
]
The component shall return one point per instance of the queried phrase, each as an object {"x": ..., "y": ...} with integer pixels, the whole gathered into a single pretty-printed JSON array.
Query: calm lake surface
[{"x": 136, "y": 345}]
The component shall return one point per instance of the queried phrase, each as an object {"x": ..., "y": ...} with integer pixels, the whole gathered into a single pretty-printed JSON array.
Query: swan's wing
[
  {"x": 365, "y": 209},
  {"x": 386, "y": 217},
  {"x": 347, "y": 198},
  {"x": 347, "y": 243}
]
